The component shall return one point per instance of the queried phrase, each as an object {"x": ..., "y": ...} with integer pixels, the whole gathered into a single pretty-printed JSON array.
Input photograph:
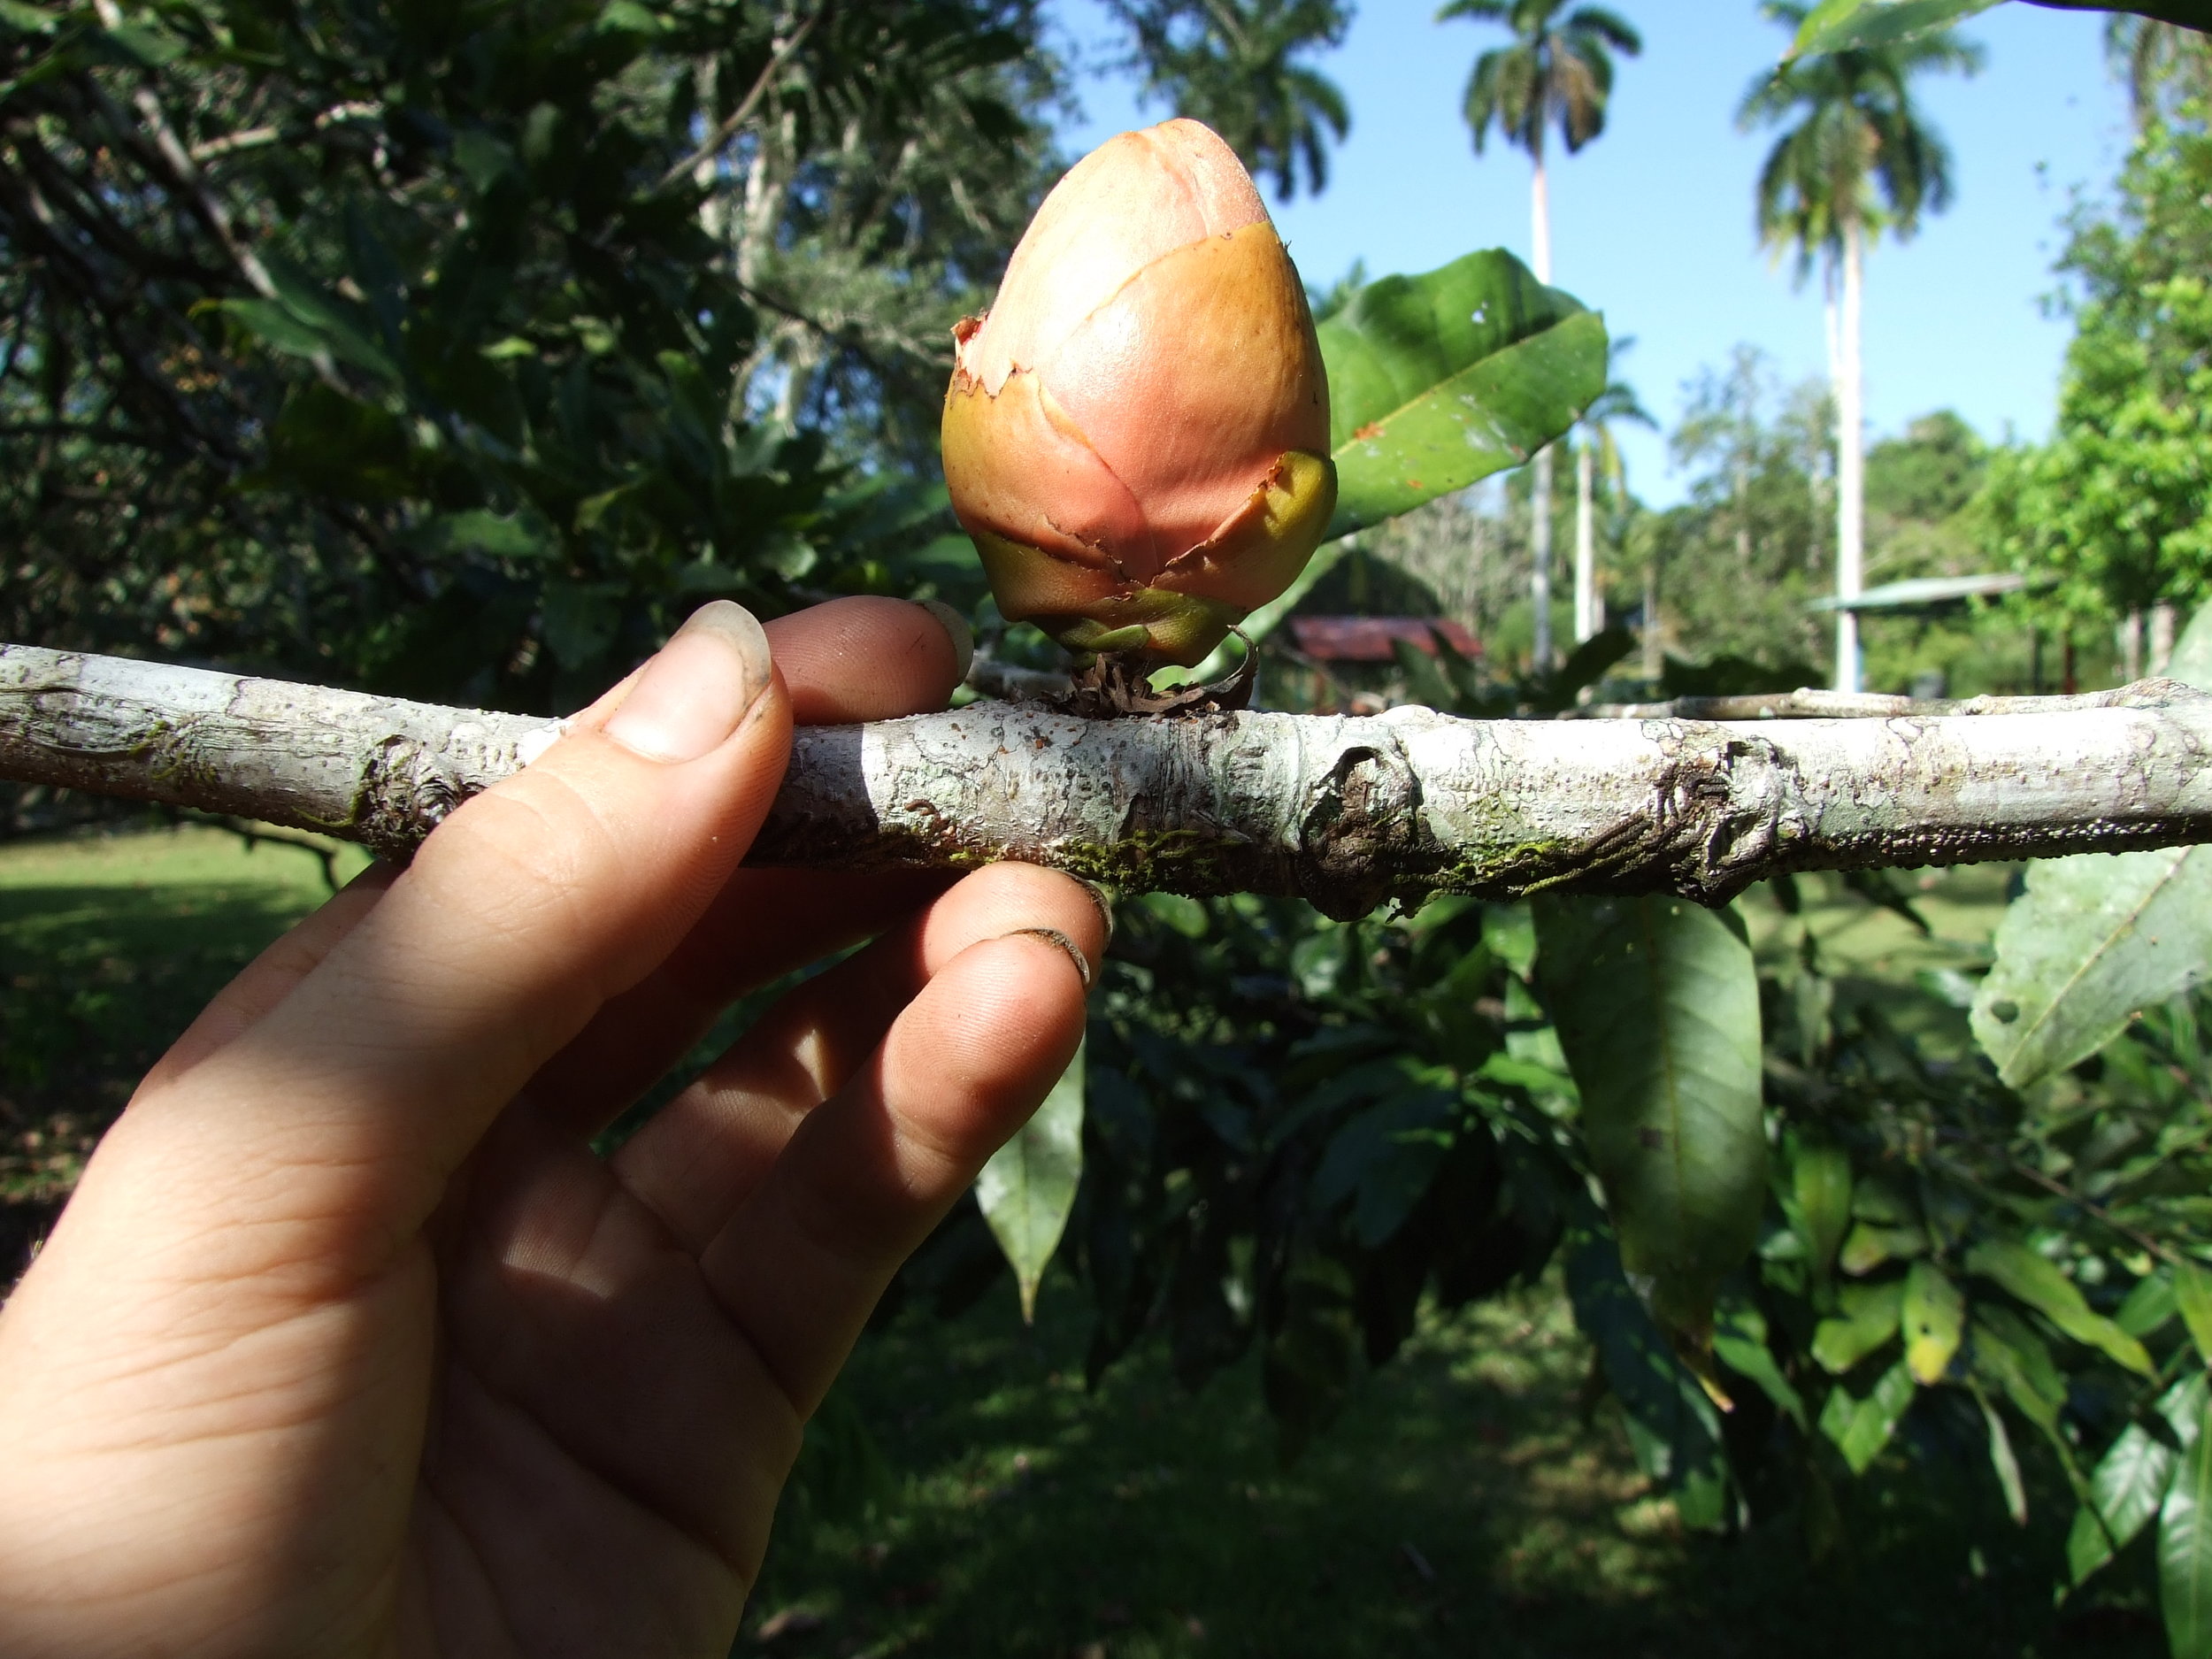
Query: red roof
[{"x": 1368, "y": 639}]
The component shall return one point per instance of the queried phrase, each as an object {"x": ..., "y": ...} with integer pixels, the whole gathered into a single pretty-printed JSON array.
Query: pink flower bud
[{"x": 1137, "y": 433}]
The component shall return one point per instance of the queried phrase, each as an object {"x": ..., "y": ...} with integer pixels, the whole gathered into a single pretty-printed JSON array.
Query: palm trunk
[
  {"x": 1539, "y": 493},
  {"x": 1850, "y": 459},
  {"x": 1654, "y": 659},
  {"x": 1587, "y": 618}
]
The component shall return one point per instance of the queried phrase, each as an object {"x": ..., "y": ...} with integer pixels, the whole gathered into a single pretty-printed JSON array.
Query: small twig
[
  {"x": 259, "y": 137},
  {"x": 2091, "y": 1208},
  {"x": 254, "y": 834},
  {"x": 730, "y": 127}
]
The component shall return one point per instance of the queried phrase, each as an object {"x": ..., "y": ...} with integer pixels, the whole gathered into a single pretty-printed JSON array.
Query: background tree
[
  {"x": 1235, "y": 65},
  {"x": 1595, "y": 451},
  {"x": 2114, "y": 505},
  {"x": 1856, "y": 158},
  {"x": 1558, "y": 72},
  {"x": 425, "y": 348}
]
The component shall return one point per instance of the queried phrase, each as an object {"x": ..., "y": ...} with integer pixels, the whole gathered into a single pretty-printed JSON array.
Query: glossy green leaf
[
  {"x": 1656, "y": 1004},
  {"x": 2193, "y": 1294},
  {"x": 2037, "y": 1282},
  {"x": 1027, "y": 1190},
  {"x": 1934, "y": 1320},
  {"x": 1440, "y": 380},
  {"x": 1853, "y": 24},
  {"x": 1841, "y": 25},
  {"x": 2007, "y": 1351},
  {"x": 2184, "y": 1546},
  {"x": 2126, "y": 1488},
  {"x": 1869, "y": 1317},
  {"x": 1861, "y": 1428},
  {"x": 2094, "y": 940}
]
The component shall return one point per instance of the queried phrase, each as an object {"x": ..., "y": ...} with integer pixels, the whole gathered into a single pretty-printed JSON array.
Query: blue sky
[{"x": 1652, "y": 226}]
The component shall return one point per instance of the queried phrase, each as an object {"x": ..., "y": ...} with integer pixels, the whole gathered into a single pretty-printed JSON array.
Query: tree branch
[{"x": 1348, "y": 813}]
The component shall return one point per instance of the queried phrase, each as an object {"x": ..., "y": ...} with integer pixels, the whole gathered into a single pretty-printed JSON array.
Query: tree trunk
[
  {"x": 2129, "y": 638},
  {"x": 1540, "y": 557},
  {"x": 1348, "y": 813},
  {"x": 1850, "y": 459},
  {"x": 1589, "y": 613},
  {"x": 1540, "y": 481},
  {"x": 2161, "y": 652},
  {"x": 1655, "y": 647}
]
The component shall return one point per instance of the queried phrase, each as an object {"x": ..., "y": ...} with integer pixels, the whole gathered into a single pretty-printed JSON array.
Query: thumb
[{"x": 357, "y": 1097}]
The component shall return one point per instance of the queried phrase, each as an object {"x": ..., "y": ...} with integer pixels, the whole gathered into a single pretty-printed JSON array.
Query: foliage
[
  {"x": 2113, "y": 505},
  {"x": 1438, "y": 380},
  {"x": 1850, "y": 25},
  {"x": 423, "y": 344},
  {"x": 1858, "y": 153},
  {"x": 1235, "y": 65},
  {"x": 1558, "y": 72}
]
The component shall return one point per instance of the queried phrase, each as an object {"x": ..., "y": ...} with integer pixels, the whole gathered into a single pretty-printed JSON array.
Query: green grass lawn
[
  {"x": 966, "y": 1496},
  {"x": 109, "y": 946}
]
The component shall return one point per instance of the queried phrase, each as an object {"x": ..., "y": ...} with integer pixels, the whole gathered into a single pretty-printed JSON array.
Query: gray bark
[{"x": 1349, "y": 812}]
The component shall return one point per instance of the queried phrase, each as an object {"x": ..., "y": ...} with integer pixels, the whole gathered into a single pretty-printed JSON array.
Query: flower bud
[{"x": 1137, "y": 434}]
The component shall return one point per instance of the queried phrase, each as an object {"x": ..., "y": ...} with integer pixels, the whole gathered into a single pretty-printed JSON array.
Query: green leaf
[
  {"x": 1934, "y": 1318},
  {"x": 1868, "y": 1246},
  {"x": 1027, "y": 1190},
  {"x": 2126, "y": 1489},
  {"x": 2002, "y": 1461},
  {"x": 1740, "y": 1338},
  {"x": 1855, "y": 24},
  {"x": 1861, "y": 1428},
  {"x": 2185, "y": 1547},
  {"x": 1870, "y": 1316},
  {"x": 26, "y": 20},
  {"x": 478, "y": 531},
  {"x": 274, "y": 327},
  {"x": 1820, "y": 1193},
  {"x": 1672, "y": 1426},
  {"x": 2148, "y": 1306},
  {"x": 2094, "y": 939},
  {"x": 1656, "y": 1003},
  {"x": 1840, "y": 26},
  {"x": 2192, "y": 1293},
  {"x": 2039, "y": 1282},
  {"x": 1440, "y": 380},
  {"x": 1383, "y": 1160},
  {"x": 2007, "y": 1352}
]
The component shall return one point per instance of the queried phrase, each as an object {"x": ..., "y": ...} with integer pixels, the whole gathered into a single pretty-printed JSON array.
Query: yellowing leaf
[{"x": 1934, "y": 1318}]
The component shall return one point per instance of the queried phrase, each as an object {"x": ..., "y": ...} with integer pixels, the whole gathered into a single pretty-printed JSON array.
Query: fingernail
[
  {"x": 1104, "y": 901},
  {"x": 963, "y": 636},
  {"x": 693, "y": 693},
  {"x": 1054, "y": 936}
]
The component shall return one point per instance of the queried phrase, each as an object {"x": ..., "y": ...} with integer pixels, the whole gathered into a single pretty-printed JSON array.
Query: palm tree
[
  {"x": 1233, "y": 64},
  {"x": 1558, "y": 72},
  {"x": 1598, "y": 449},
  {"x": 2160, "y": 62},
  {"x": 1857, "y": 159}
]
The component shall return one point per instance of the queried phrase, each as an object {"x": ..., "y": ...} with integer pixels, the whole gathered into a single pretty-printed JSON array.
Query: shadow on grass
[
  {"x": 95, "y": 981},
  {"x": 1460, "y": 1507}
]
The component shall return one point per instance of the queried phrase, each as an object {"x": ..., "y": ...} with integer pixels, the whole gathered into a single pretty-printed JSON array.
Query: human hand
[{"x": 348, "y": 1344}]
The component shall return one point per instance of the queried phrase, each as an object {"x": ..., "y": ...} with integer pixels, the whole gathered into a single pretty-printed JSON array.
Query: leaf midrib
[{"x": 2104, "y": 946}]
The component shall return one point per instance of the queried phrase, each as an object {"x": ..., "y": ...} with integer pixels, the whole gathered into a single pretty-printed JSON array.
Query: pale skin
[{"x": 347, "y": 1344}]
